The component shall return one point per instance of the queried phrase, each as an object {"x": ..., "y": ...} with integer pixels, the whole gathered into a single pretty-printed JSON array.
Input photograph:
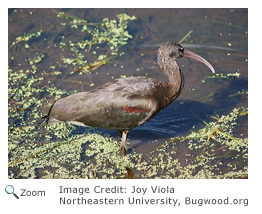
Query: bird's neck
[{"x": 175, "y": 84}]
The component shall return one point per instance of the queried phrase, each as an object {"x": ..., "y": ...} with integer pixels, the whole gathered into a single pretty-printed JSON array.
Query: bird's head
[{"x": 171, "y": 51}]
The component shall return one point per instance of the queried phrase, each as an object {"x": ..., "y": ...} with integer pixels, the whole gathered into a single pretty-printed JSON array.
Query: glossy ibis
[{"x": 125, "y": 103}]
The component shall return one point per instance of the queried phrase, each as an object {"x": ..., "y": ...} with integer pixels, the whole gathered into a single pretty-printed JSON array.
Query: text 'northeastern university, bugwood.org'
[{"x": 154, "y": 195}]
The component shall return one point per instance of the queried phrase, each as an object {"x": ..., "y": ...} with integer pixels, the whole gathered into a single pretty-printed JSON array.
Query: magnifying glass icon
[{"x": 9, "y": 189}]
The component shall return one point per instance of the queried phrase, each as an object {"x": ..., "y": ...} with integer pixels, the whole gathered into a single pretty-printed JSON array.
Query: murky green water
[{"x": 164, "y": 147}]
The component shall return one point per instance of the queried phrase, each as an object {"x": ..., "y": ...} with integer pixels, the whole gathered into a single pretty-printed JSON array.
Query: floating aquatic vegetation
[
  {"x": 224, "y": 76},
  {"x": 25, "y": 38},
  {"x": 113, "y": 33},
  {"x": 214, "y": 144}
]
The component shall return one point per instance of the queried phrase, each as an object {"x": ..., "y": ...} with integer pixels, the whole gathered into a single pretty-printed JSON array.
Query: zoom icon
[{"x": 9, "y": 189}]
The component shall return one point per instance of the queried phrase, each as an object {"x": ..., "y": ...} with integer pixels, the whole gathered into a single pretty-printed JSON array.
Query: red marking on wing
[{"x": 131, "y": 109}]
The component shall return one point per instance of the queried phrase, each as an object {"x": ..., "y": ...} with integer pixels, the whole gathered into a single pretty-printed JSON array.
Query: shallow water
[{"x": 219, "y": 35}]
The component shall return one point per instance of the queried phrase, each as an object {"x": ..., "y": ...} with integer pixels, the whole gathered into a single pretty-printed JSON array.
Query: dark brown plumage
[{"x": 125, "y": 103}]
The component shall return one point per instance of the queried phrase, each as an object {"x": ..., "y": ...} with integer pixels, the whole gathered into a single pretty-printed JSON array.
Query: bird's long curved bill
[{"x": 192, "y": 55}]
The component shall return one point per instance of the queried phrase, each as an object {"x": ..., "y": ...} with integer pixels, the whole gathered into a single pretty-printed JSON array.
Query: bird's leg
[{"x": 123, "y": 135}]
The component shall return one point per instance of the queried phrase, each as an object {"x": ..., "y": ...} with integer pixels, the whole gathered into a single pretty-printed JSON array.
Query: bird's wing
[
  {"x": 114, "y": 110},
  {"x": 116, "y": 105}
]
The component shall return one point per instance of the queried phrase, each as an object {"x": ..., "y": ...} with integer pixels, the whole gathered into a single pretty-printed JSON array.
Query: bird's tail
[{"x": 47, "y": 118}]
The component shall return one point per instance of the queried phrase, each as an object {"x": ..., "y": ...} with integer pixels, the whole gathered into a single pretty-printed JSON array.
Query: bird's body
[{"x": 124, "y": 103}]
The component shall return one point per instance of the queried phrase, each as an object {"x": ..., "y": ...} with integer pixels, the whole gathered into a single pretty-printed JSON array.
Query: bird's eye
[{"x": 181, "y": 49}]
